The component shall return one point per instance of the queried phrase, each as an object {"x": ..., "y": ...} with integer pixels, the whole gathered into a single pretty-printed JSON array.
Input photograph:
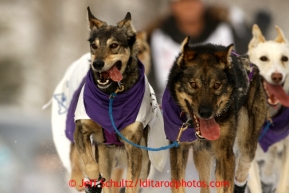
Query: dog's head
[
  {"x": 272, "y": 58},
  {"x": 199, "y": 82},
  {"x": 112, "y": 49}
]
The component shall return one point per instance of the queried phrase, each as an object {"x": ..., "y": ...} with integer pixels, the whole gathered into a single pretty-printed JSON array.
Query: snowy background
[{"x": 39, "y": 39}]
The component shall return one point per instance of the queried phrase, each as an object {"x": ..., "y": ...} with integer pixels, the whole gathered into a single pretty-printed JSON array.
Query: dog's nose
[
  {"x": 98, "y": 64},
  {"x": 276, "y": 77},
  {"x": 205, "y": 112}
]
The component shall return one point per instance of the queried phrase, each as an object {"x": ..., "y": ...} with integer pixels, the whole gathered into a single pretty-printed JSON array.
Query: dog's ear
[
  {"x": 257, "y": 37},
  {"x": 126, "y": 23},
  {"x": 224, "y": 56},
  {"x": 186, "y": 54},
  {"x": 280, "y": 38},
  {"x": 94, "y": 23}
]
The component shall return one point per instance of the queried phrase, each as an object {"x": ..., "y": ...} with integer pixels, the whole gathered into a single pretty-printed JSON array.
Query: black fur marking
[
  {"x": 131, "y": 40},
  {"x": 189, "y": 106},
  {"x": 239, "y": 189},
  {"x": 109, "y": 32}
]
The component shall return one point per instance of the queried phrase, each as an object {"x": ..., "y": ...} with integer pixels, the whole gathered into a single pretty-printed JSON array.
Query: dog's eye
[
  {"x": 93, "y": 46},
  {"x": 217, "y": 85},
  {"x": 264, "y": 58},
  {"x": 284, "y": 58},
  {"x": 113, "y": 45},
  {"x": 194, "y": 85}
]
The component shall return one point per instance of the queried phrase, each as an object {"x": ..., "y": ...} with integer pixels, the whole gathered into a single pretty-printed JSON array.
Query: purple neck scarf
[
  {"x": 173, "y": 121},
  {"x": 70, "y": 124},
  {"x": 277, "y": 131},
  {"x": 125, "y": 106}
]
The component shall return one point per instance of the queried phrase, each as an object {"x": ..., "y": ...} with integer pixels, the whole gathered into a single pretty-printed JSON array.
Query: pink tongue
[
  {"x": 209, "y": 129},
  {"x": 115, "y": 74},
  {"x": 278, "y": 92}
]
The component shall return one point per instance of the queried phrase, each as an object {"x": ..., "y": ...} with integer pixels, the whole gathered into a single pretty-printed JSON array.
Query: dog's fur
[
  {"x": 208, "y": 82},
  {"x": 144, "y": 51},
  {"x": 112, "y": 45},
  {"x": 271, "y": 57}
]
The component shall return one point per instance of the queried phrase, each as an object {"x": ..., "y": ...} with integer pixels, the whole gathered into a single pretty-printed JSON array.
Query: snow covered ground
[{"x": 28, "y": 159}]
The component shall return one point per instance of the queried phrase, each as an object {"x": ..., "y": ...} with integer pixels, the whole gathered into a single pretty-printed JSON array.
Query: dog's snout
[
  {"x": 276, "y": 77},
  {"x": 98, "y": 64},
  {"x": 205, "y": 112}
]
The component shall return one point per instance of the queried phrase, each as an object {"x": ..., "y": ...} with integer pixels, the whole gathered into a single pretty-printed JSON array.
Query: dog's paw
[
  {"x": 240, "y": 189},
  {"x": 267, "y": 187},
  {"x": 94, "y": 186},
  {"x": 93, "y": 189}
]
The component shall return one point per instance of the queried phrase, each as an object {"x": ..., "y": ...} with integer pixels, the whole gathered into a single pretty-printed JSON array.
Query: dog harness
[{"x": 278, "y": 130}]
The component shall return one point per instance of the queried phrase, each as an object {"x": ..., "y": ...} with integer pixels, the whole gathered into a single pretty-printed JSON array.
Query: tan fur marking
[
  {"x": 243, "y": 161},
  {"x": 181, "y": 99},
  {"x": 178, "y": 162},
  {"x": 76, "y": 168},
  {"x": 185, "y": 43},
  {"x": 223, "y": 100},
  {"x": 189, "y": 55},
  {"x": 205, "y": 56},
  {"x": 203, "y": 160}
]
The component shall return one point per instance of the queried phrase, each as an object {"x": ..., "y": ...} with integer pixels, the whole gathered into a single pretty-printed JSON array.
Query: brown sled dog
[
  {"x": 113, "y": 55},
  {"x": 223, "y": 99}
]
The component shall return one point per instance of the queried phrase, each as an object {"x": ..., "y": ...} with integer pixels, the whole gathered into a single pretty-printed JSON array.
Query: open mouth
[
  {"x": 206, "y": 128},
  {"x": 276, "y": 94},
  {"x": 105, "y": 78}
]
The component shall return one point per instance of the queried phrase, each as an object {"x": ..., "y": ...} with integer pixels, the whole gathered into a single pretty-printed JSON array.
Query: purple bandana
[
  {"x": 277, "y": 131},
  {"x": 125, "y": 106},
  {"x": 173, "y": 121},
  {"x": 70, "y": 124}
]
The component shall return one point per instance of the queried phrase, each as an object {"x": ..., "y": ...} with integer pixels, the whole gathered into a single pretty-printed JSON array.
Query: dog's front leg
[
  {"x": 133, "y": 133},
  {"x": 247, "y": 138},
  {"x": 178, "y": 162},
  {"x": 84, "y": 128},
  {"x": 283, "y": 185},
  {"x": 105, "y": 166},
  {"x": 225, "y": 163},
  {"x": 203, "y": 162},
  {"x": 76, "y": 170}
]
